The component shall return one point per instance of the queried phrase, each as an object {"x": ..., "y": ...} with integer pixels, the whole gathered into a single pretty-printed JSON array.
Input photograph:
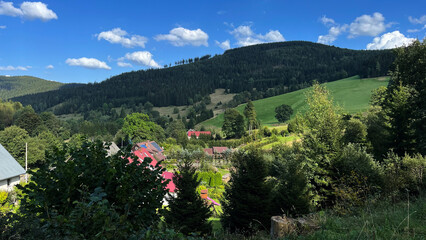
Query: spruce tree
[
  {"x": 246, "y": 198},
  {"x": 250, "y": 114},
  {"x": 188, "y": 213}
]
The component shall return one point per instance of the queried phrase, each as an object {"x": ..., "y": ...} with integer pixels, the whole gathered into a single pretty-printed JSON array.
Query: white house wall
[{"x": 13, "y": 181}]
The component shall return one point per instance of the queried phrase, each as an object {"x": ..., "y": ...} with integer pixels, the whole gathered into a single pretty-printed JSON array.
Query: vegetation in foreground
[{"x": 344, "y": 163}]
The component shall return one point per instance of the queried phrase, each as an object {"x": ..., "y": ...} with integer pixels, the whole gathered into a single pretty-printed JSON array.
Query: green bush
[
  {"x": 402, "y": 174},
  {"x": 354, "y": 158}
]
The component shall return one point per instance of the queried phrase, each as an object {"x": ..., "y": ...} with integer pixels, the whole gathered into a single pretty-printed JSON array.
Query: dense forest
[{"x": 285, "y": 65}]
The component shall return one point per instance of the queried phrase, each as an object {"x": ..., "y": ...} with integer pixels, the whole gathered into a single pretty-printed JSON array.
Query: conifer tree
[
  {"x": 250, "y": 114},
  {"x": 188, "y": 213},
  {"x": 246, "y": 198}
]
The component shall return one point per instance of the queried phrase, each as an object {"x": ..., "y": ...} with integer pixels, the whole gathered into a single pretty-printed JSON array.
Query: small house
[
  {"x": 192, "y": 133},
  {"x": 216, "y": 152},
  {"x": 10, "y": 170}
]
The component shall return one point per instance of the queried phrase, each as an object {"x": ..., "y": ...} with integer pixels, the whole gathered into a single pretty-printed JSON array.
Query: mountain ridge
[{"x": 283, "y": 67}]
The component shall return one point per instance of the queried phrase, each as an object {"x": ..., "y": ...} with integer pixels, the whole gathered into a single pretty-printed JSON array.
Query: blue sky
[{"x": 88, "y": 41}]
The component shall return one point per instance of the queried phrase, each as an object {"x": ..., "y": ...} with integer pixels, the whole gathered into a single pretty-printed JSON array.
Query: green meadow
[{"x": 351, "y": 94}]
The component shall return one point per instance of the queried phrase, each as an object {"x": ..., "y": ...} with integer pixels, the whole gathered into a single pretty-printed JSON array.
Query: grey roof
[{"x": 9, "y": 167}]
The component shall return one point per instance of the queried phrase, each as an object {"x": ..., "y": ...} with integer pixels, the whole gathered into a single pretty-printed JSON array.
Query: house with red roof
[
  {"x": 192, "y": 133},
  {"x": 216, "y": 152},
  {"x": 143, "y": 153},
  {"x": 153, "y": 148}
]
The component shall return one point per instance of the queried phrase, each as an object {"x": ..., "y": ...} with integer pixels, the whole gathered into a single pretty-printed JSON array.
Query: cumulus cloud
[
  {"x": 390, "y": 40},
  {"x": 334, "y": 31},
  {"x": 28, "y": 10},
  {"x": 141, "y": 58},
  {"x": 91, "y": 63},
  {"x": 12, "y": 68},
  {"x": 225, "y": 45},
  {"x": 246, "y": 37},
  {"x": 124, "y": 64},
  {"x": 119, "y": 36},
  {"x": 50, "y": 66},
  {"x": 332, "y": 35},
  {"x": 181, "y": 36},
  {"x": 420, "y": 20},
  {"x": 367, "y": 25}
]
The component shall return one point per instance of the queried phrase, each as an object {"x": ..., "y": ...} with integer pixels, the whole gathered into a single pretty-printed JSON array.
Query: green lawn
[{"x": 352, "y": 94}]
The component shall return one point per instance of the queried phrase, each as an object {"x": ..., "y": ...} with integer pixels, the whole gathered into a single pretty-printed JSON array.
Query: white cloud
[
  {"x": 420, "y": 20},
  {"x": 367, "y": 25},
  {"x": 33, "y": 10},
  {"x": 390, "y": 40},
  {"x": 181, "y": 36},
  {"x": 91, "y": 63},
  {"x": 124, "y": 64},
  {"x": 12, "y": 68},
  {"x": 50, "y": 66},
  {"x": 225, "y": 45},
  {"x": 28, "y": 10},
  {"x": 7, "y": 8},
  {"x": 327, "y": 21},
  {"x": 141, "y": 58},
  {"x": 332, "y": 35},
  {"x": 246, "y": 37},
  {"x": 2, "y": 27},
  {"x": 119, "y": 36}
]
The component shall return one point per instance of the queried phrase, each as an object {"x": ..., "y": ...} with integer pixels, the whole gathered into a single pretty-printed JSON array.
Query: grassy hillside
[
  {"x": 16, "y": 86},
  {"x": 352, "y": 94}
]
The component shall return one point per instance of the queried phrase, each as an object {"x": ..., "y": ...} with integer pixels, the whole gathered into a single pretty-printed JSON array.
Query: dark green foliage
[
  {"x": 290, "y": 192},
  {"x": 354, "y": 159},
  {"x": 27, "y": 119},
  {"x": 187, "y": 212},
  {"x": 404, "y": 175},
  {"x": 246, "y": 198},
  {"x": 251, "y": 116},
  {"x": 233, "y": 125},
  {"x": 286, "y": 66},
  {"x": 410, "y": 72},
  {"x": 90, "y": 194},
  {"x": 283, "y": 112}
]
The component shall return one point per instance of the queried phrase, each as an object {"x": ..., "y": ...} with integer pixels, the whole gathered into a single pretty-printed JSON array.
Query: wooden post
[{"x": 26, "y": 162}]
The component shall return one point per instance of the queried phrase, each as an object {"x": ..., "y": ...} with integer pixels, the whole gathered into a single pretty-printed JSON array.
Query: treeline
[{"x": 286, "y": 66}]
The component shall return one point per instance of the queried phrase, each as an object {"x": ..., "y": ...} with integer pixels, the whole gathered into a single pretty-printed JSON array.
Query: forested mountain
[
  {"x": 15, "y": 86},
  {"x": 286, "y": 65}
]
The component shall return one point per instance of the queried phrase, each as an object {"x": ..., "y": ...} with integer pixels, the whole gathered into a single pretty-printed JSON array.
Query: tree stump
[{"x": 282, "y": 226}]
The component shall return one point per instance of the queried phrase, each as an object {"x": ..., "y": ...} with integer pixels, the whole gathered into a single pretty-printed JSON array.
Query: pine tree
[
  {"x": 246, "y": 205},
  {"x": 188, "y": 213},
  {"x": 250, "y": 114}
]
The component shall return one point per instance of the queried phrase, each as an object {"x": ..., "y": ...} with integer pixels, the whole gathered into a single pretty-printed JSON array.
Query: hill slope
[
  {"x": 352, "y": 94},
  {"x": 284, "y": 66},
  {"x": 15, "y": 86}
]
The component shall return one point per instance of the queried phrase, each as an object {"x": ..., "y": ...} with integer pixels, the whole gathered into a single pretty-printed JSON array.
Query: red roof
[
  {"x": 219, "y": 149},
  {"x": 171, "y": 185},
  {"x": 142, "y": 153},
  {"x": 209, "y": 151},
  {"x": 197, "y": 133}
]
